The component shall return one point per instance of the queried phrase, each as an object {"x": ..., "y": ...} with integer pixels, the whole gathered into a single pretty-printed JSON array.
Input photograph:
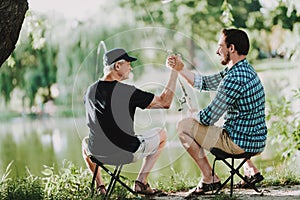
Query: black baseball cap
[{"x": 115, "y": 55}]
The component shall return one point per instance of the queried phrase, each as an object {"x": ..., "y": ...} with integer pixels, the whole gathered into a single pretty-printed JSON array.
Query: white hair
[{"x": 109, "y": 68}]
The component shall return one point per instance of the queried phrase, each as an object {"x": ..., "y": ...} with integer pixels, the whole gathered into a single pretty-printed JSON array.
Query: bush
[
  {"x": 69, "y": 183},
  {"x": 30, "y": 188},
  {"x": 284, "y": 129}
]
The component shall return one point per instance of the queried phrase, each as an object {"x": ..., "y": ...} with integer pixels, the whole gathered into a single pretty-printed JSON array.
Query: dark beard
[{"x": 226, "y": 60}]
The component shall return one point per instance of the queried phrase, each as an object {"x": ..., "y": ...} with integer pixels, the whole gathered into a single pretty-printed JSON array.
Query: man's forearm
[
  {"x": 188, "y": 75},
  {"x": 168, "y": 93}
]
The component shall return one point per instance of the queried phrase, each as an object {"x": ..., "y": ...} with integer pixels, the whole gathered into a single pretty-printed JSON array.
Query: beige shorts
[
  {"x": 150, "y": 141},
  {"x": 208, "y": 136}
]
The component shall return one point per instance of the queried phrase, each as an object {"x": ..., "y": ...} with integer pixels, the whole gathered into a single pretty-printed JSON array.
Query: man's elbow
[
  {"x": 164, "y": 102},
  {"x": 166, "y": 105}
]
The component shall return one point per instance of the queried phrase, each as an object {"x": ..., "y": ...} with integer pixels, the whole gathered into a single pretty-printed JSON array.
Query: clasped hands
[{"x": 175, "y": 62}]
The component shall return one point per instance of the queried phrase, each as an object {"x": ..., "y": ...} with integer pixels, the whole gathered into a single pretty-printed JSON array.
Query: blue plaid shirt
[{"x": 240, "y": 95}]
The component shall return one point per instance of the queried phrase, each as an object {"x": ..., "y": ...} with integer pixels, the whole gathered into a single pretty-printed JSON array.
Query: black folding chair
[
  {"x": 114, "y": 175},
  {"x": 221, "y": 155}
]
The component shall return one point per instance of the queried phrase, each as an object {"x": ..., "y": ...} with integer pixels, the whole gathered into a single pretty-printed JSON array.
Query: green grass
[
  {"x": 25, "y": 188},
  {"x": 72, "y": 182},
  {"x": 280, "y": 176},
  {"x": 177, "y": 182}
]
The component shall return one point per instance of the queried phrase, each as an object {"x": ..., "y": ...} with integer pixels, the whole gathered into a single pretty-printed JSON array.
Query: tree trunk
[{"x": 12, "y": 14}]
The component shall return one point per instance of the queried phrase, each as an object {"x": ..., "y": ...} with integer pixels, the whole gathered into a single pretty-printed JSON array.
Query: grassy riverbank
[{"x": 72, "y": 182}]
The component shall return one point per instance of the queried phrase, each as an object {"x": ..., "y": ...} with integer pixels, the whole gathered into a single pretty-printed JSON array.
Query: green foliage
[
  {"x": 286, "y": 15},
  {"x": 72, "y": 182},
  {"x": 7, "y": 83},
  {"x": 69, "y": 183},
  {"x": 45, "y": 55},
  {"x": 202, "y": 20},
  {"x": 22, "y": 189},
  {"x": 25, "y": 188},
  {"x": 284, "y": 129},
  {"x": 226, "y": 16},
  {"x": 177, "y": 182},
  {"x": 32, "y": 66},
  {"x": 6, "y": 173},
  {"x": 281, "y": 176}
]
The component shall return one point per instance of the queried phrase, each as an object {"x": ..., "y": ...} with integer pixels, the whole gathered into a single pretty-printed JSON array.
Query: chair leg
[
  {"x": 233, "y": 171},
  {"x": 226, "y": 181},
  {"x": 117, "y": 174},
  {"x": 252, "y": 186},
  {"x": 115, "y": 178},
  {"x": 94, "y": 178},
  {"x": 243, "y": 178},
  {"x": 232, "y": 177}
]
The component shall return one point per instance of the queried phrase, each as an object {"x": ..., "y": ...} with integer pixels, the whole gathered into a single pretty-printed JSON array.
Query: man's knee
[
  {"x": 84, "y": 146},
  {"x": 163, "y": 135},
  {"x": 185, "y": 126},
  {"x": 85, "y": 155}
]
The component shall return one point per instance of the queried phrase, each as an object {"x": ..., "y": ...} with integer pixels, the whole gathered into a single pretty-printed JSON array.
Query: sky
[{"x": 73, "y": 9}]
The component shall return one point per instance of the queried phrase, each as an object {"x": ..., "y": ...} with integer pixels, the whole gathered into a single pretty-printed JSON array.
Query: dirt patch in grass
[{"x": 268, "y": 193}]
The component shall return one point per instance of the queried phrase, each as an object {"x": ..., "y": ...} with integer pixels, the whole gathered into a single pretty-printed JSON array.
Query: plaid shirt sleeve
[{"x": 209, "y": 83}]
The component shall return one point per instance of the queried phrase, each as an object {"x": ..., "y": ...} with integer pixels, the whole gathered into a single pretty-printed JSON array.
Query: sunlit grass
[
  {"x": 177, "y": 182},
  {"x": 281, "y": 176},
  {"x": 72, "y": 182}
]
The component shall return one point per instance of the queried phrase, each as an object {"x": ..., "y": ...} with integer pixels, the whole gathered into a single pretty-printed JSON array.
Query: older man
[{"x": 110, "y": 108}]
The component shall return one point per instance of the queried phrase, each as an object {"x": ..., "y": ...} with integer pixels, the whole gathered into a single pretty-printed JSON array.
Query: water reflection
[{"x": 34, "y": 143}]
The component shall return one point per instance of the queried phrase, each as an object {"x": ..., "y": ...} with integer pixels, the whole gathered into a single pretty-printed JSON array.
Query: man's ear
[
  {"x": 232, "y": 48},
  {"x": 117, "y": 66}
]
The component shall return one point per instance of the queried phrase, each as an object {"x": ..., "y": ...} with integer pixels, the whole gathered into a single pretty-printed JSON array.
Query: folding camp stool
[
  {"x": 115, "y": 176},
  {"x": 221, "y": 155}
]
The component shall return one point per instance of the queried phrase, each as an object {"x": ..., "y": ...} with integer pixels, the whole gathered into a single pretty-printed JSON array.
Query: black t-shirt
[{"x": 110, "y": 108}]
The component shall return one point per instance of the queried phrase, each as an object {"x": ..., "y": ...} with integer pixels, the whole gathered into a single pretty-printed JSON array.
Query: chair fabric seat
[
  {"x": 114, "y": 159},
  {"x": 220, "y": 154}
]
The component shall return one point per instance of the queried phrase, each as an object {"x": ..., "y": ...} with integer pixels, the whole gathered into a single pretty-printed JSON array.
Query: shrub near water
[
  {"x": 70, "y": 183},
  {"x": 25, "y": 188},
  {"x": 284, "y": 128}
]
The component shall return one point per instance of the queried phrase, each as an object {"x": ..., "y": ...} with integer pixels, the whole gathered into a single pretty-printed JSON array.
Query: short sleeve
[{"x": 141, "y": 98}]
